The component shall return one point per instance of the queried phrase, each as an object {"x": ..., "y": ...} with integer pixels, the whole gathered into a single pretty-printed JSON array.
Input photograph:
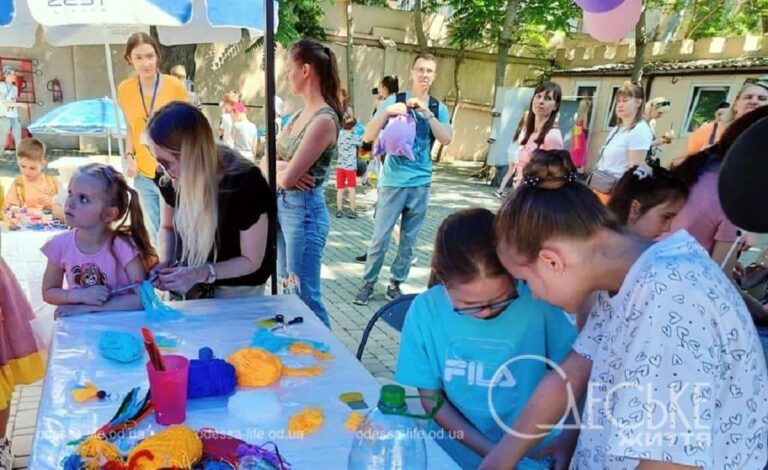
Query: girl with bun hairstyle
[{"x": 668, "y": 348}]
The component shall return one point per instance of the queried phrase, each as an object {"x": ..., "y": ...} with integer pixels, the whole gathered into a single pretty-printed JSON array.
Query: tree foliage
[{"x": 479, "y": 22}]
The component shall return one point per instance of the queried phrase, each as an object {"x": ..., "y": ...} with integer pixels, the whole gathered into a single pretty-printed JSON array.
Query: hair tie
[
  {"x": 643, "y": 171},
  {"x": 532, "y": 181},
  {"x": 570, "y": 177}
]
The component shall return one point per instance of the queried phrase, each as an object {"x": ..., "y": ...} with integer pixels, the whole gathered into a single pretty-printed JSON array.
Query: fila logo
[{"x": 474, "y": 373}]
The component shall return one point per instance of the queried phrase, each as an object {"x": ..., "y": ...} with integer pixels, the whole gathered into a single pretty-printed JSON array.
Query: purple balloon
[{"x": 598, "y": 6}]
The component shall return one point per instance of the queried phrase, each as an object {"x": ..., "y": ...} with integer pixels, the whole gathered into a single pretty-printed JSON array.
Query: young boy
[
  {"x": 33, "y": 189},
  {"x": 346, "y": 169}
]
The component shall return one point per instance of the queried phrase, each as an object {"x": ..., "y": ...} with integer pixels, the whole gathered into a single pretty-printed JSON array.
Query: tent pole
[
  {"x": 269, "y": 98},
  {"x": 111, "y": 74}
]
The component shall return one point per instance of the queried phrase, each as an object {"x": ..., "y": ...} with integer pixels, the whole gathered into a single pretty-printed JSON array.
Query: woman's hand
[
  {"x": 130, "y": 167},
  {"x": 180, "y": 279},
  {"x": 305, "y": 183}
]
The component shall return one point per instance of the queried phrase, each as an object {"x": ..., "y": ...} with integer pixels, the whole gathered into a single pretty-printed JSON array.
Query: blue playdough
[
  {"x": 120, "y": 347},
  {"x": 265, "y": 339},
  {"x": 210, "y": 377}
]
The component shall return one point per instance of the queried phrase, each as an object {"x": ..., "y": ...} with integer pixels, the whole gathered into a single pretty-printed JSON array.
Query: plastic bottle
[{"x": 390, "y": 438}]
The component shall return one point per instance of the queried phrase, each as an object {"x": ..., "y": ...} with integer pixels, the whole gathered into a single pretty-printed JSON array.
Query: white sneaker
[{"x": 6, "y": 455}]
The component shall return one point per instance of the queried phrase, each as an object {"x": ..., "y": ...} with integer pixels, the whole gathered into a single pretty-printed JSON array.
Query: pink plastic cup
[{"x": 169, "y": 390}]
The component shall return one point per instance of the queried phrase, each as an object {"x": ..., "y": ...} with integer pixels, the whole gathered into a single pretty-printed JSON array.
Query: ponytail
[
  {"x": 137, "y": 230},
  {"x": 323, "y": 61}
]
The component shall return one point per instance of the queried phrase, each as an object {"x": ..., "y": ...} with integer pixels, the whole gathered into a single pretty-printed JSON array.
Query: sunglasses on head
[{"x": 500, "y": 305}]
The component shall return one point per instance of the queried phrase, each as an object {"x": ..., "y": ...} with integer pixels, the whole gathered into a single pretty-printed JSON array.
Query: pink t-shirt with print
[
  {"x": 106, "y": 267},
  {"x": 703, "y": 216},
  {"x": 552, "y": 141}
]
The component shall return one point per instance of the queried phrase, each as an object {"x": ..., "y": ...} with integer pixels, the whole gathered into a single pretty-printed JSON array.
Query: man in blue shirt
[{"x": 404, "y": 184}]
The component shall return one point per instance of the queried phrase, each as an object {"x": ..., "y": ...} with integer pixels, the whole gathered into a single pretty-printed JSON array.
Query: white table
[{"x": 225, "y": 325}]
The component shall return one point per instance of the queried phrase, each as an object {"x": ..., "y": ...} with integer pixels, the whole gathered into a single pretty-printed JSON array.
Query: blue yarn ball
[
  {"x": 120, "y": 347},
  {"x": 210, "y": 377}
]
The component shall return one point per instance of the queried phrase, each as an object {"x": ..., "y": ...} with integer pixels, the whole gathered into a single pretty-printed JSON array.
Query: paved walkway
[{"x": 452, "y": 189}]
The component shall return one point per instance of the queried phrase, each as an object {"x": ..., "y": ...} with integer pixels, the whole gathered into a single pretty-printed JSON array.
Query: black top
[{"x": 243, "y": 197}]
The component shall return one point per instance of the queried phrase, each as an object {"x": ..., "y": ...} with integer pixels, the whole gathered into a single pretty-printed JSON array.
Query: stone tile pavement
[{"x": 452, "y": 189}]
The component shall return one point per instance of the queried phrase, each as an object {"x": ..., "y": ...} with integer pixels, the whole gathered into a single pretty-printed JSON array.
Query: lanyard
[{"x": 148, "y": 113}]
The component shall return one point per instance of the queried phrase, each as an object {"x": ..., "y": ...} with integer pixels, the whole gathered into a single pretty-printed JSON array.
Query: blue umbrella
[{"x": 87, "y": 117}]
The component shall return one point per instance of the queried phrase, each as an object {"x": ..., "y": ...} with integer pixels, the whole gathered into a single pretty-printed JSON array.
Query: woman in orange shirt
[
  {"x": 139, "y": 97},
  {"x": 752, "y": 95}
]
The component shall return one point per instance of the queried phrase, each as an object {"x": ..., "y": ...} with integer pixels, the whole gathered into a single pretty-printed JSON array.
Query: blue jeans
[
  {"x": 303, "y": 226},
  {"x": 411, "y": 204},
  {"x": 12, "y": 125},
  {"x": 149, "y": 197}
]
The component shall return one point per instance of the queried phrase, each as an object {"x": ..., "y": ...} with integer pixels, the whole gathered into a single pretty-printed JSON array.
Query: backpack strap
[
  {"x": 400, "y": 98},
  {"x": 713, "y": 135}
]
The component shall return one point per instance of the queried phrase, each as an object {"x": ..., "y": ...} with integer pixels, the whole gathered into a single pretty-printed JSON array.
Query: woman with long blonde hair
[{"x": 215, "y": 213}]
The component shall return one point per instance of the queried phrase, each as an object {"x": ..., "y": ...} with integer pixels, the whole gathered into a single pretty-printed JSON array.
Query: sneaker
[
  {"x": 339, "y": 214},
  {"x": 362, "y": 258},
  {"x": 6, "y": 456},
  {"x": 393, "y": 291},
  {"x": 352, "y": 215},
  {"x": 364, "y": 295}
]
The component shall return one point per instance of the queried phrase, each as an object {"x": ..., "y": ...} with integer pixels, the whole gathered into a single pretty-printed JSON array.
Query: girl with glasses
[{"x": 468, "y": 332}]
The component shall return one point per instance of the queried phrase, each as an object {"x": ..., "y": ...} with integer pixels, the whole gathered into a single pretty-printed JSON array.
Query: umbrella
[{"x": 82, "y": 118}]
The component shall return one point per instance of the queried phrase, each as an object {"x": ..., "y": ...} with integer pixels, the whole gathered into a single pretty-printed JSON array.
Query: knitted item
[
  {"x": 210, "y": 377},
  {"x": 177, "y": 446},
  {"x": 120, "y": 347},
  {"x": 155, "y": 308},
  {"x": 255, "y": 367},
  {"x": 305, "y": 422}
]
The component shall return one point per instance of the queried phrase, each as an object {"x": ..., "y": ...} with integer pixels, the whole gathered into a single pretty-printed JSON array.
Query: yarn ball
[
  {"x": 210, "y": 377},
  {"x": 305, "y": 422},
  {"x": 353, "y": 420},
  {"x": 177, "y": 446},
  {"x": 256, "y": 407},
  {"x": 95, "y": 452},
  {"x": 255, "y": 367},
  {"x": 120, "y": 347},
  {"x": 265, "y": 339}
]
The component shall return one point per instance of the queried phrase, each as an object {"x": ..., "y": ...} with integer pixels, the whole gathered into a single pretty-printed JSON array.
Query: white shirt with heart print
[{"x": 678, "y": 373}]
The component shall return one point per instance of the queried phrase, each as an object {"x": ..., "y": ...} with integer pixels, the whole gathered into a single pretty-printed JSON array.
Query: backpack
[{"x": 434, "y": 108}]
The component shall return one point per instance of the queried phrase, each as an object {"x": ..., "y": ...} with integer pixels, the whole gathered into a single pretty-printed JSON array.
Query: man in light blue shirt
[{"x": 404, "y": 184}]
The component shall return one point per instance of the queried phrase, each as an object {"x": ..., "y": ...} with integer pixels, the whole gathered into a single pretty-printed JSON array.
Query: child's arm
[
  {"x": 55, "y": 294},
  {"x": 136, "y": 271},
  {"x": 11, "y": 198},
  {"x": 451, "y": 419},
  {"x": 544, "y": 409}
]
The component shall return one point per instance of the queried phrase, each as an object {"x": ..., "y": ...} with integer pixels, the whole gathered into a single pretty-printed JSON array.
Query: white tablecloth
[{"x": 225, "y": 325}]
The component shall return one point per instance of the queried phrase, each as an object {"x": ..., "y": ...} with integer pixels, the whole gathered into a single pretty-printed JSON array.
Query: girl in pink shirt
[{"x": 103, "y": 251}]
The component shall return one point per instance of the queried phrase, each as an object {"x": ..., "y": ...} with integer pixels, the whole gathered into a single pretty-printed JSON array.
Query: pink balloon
[{"x": 615, "y": 24}]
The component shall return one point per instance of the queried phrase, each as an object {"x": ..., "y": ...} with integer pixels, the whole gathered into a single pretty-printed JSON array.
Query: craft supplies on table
[{"x": 225, "y": 326}]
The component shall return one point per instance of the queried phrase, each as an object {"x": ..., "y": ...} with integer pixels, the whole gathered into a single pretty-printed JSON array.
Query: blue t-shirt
[
  {"x": 459, "y": 354},
  {"x": 399, "y": 172}
]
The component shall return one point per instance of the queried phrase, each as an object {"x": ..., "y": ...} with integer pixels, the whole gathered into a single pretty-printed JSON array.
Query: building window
[
  {"x": 610, "y": 119},
  {"x": 703, "y": 103}
]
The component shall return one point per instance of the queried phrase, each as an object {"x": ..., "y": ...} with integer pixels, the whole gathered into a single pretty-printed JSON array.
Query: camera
[{"x": 374, "y": 91}]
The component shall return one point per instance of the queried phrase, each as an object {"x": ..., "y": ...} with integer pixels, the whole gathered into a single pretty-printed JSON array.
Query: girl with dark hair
[
  {"x": 646, "y": 199},
  {"x": 465, "y": 327},
  {"x": 389, "y": 86},
  {"x": 538, "y": 132},
  {"x": 627, "y": 144},
  {"x": 107, "y": 248},
  {"x": 305, "y": 149},
  {"x": 139, "y": 97},
  {"x": 703, "y": 216},
  {"x": 668, "y": 337}
]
